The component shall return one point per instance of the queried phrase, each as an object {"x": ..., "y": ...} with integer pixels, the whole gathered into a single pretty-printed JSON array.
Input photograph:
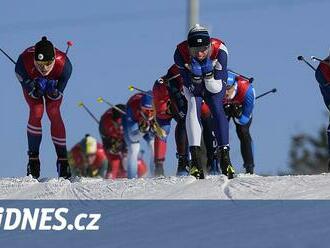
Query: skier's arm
[
  {"x": 65, "y": 76},
  {"x": 27, "y": 83},
  {"x": 133, "y": 130},
  {"x": 184, "y": 72},
  {"x": 220, "y": 69},
  {"x": 248, "y": 106}
]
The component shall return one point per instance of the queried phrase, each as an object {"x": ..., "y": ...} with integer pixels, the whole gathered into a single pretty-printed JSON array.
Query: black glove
[
  {"x": 236, "y": 110},
  {"x": 36, "y": 92},
  {"x": 227, "y": 109},
  {"x": 233, "y": 110}
]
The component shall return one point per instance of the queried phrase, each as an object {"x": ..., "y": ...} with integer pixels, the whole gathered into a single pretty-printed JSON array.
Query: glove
[
  {"x": 144, "y": 126},
  {"x": 227, "y": 109},
  {"x": 196, "y": 71},
  {"x": 233, "y": 110},
  {"x": 42, "y": 83},
  {"x": 236, "y": 110},
  {"x": 115, "y": 146},
  {"x": 36, "y": 93},
  {"x": 207, "y": 68},
  {"x": 52, "y": 91}
]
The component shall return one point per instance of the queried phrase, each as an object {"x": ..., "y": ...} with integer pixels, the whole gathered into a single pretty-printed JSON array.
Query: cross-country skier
[
  {"x": 112, "y": 134},
  {"x": 88, "y": 159},
  {"x": 139, "y": 123},
  {"x": 171, "y": 104},
  {"x": 203, "y": 65},
  {"x": 322, "y": 76},
  {"x": 238, "y": 105},
  {"x": 43, "y": 72}
]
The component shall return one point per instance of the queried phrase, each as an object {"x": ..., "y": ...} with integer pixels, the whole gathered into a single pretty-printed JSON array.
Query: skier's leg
[
  {"x": 132, "y": 157},
  {"x": 34, "y": 133},
  {"x": 193, "y": 126},
  {"x": 181, "y": 148},
  {"x": 243, "y": 133},
  {"x": 210, "y": 144},
  {"x": 150, "y": 139},
  {"x": 160, "y": 147},
  {"x": 114, "y": 161},
  {"x": 214, "y": 101},
  {"x": 57, "y": 130}
]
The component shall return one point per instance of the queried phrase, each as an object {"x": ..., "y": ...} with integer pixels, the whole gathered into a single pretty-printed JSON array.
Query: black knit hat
[
  {"x": 198, "y": 36},
  {"x": 44, "y": 50}
]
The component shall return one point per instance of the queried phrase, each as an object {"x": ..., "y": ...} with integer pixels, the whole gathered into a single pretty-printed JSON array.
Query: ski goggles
[
  {"x": 195, "y": 50},
  {"x": 147, "y": 113},
  {"x": 44, "y": 63}
]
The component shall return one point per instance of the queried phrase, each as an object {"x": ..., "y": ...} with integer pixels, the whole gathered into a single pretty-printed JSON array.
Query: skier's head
[
  {"x": 44, "y": 56},
  {"x": 231, "y": 79},
  {"x": 116, "y": 114},
  {"x": 231, "y": 86},
  {"x": 146, "y": 105},
  {"x": 90, "y": 148},
  {"x": 199, "y": 42}
]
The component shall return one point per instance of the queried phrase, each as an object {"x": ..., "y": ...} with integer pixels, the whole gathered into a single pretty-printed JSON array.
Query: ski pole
[
  {"x": 320, "y": 60},
  {"x": 238, "y": 74},
  {"x": 69, "y": 44},
  {"x": 301, "y": 58},
  {"x": 316, "y": 59},
  {"x": 101, "y": 99},
  {"x": 131, "y": 88},
  {"x": 81, "y": 104},
  {"x": 8, "y": 56},
  {"x": 266, "y": 93}
]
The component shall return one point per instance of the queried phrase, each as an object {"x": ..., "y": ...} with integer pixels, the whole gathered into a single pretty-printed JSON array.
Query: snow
[
  {"x": 167, "y": 188},
  {"x": 242, "y": 217}
]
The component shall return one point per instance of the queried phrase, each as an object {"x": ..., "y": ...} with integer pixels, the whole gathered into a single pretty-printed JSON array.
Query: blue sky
[{"x": 116, "y": 46}]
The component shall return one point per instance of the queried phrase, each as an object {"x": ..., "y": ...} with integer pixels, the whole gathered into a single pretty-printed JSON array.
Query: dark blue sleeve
[
  {"x": 184, "y": 72},
  {"x": 66, "y": 73},
  {"x": 22, "y": 75},
  {"x": 220, "y": 70},
  {"x": 248, "y": 105}
]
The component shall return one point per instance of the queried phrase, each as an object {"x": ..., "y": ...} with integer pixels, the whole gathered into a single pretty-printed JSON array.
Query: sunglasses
[
  {"x": 44, "y": 63},
  {"x": 147, "y": 113},
  {"x": 195, "y": 50}
]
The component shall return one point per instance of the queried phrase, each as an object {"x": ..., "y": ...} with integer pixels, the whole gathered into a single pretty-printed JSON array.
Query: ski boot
[
  {"x": 33, "y": 166},
  {"x": 225, "y": 164},
  {"x": 196, "y": 169},
  {"x": 182, "y": 165},
  {"x": 249, "y": 169},
  {"x": 63, "y": 168},
  {"x": 159, "y": 168}
]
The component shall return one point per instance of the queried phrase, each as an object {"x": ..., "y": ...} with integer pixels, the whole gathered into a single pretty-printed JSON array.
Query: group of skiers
[{"x": 197, "y": 91}]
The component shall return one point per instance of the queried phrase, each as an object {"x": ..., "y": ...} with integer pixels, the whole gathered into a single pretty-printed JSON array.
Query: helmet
[
  {"x": 198, "y": 36},
  {"x": 91, "y": 145},
  {"x": 231, "y": 79}
]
